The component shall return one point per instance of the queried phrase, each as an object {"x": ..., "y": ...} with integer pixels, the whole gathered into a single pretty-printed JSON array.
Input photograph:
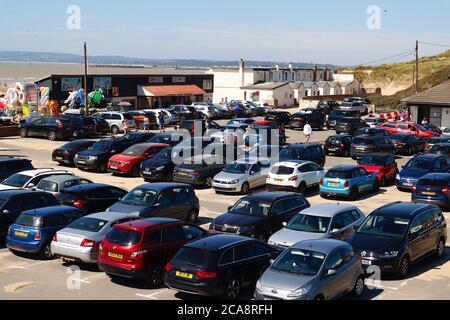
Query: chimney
[
  {"x": 315, "y": 74},
  {"x": 325, "y": 78},
  {"x": 242, "y": 72},
  {"x": 291, "y": 67}
]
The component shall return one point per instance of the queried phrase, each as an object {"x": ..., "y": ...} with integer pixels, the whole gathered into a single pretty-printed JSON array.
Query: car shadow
[
  {"x": 133, "y": 283},
  {"x": 369, "y": 294},
  {"x": 246, "y": 295},
  {"x": 82, "y": 266},
  {"x": 362, "y": 197}
]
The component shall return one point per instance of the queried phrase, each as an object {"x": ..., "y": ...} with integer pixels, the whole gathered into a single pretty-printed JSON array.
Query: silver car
[
  {"x": 325, "y": 221},
  {"x": 57, "y": 184},
  {"x": 313, "y": 270},
  {"x": 80, "y": 241},
  {"x": 242, "y": 176}
]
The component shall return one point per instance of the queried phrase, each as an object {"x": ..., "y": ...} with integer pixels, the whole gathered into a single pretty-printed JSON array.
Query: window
[
  {"x": 347, "y": 255},
  {"x": 278, "y": 208},
  {"x": 207, "y": 84},
  {"x": 192, "y": 232},
  {"x": 418, "y": 224},
  {"x": 347, "y": 218},
  {"x": 14, "y": 206},
  {"x": 293, "y": 203},
  {"x": 181, "y": 196},
  {"x": 356, "y": 215},
  {"x": 334, "y": 261},
  {"x": 154, "y": 237},
  {"x": 165, "y": 199},
  {"x": 173, "y": 234},
  {"x": 52, "y": 221},
  {"x": 337, "y": 223},
  {"x": 260, "y": 249},
  {"x": 227, "y": 257},
  {"x": 116, "y": 117},
  {"x": 243, "y": 252},
  {"x": 117, "y": 193},
  {"x": 68, "y": 218}
]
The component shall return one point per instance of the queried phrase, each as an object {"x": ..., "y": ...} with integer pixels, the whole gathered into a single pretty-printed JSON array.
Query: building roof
[
  {"x": 266, "y": 86},
  {"x": 309, "y": 84},
  {"x": 172, "y": 90},
  {"x": 322, "y": 84},
  {"x": 437, "y": 95},
  {"x": 296, "y": 85}
]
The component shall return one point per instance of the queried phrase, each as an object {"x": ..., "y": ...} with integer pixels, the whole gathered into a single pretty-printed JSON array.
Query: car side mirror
[
  {"x": 157, "y": 205},
  {"x": 272, "y": 261},
  {"x": 285, "y": 224},
  {"x": 252, "y": 173},
  {"x": 113, "y": 151},
  {"x": 331, "y": 273},
  {"x": 31, "y": 186},
  {"x": 335, "y": 231},
  {"x": 6, "y": 211}
]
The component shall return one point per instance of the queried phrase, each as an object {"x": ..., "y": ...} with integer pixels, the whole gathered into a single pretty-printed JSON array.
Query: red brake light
[
  {"x": 59, "y": 123},
  {"x": 414, "y": 189},
  {"x": 67, "y": 152},
  {"x": 206, "y": 275},
  {"x": 55, "y": 238},
  {"x": 347, "y": 184},
  {"x": 87, "y": 243},
  {"x": 79, "y": 203},
  {"x": 446, "y": 190},
  {"x": 293, "y": 178},
  {"x": 196, "y": 174},
  {"x": 38, "y": 236},
  {"x": 168, "y": 267},
  {"x": 321, "y": 182}
]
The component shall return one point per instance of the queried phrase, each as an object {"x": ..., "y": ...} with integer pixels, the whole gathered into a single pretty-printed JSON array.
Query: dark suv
[
  {"x": 338, "y": 114},
  {"x": 299, "y": 120},
  {"x": 82, "y": 126},
  {"x": 328, "y": 105},
  {"x": 260, "y": 215},
  {"x": 51, "y": 128},
  {"x": 11, "y": 165},
  {"x": 281, "y": 118},
  {"x": 306, "y": 152},
  {"x": 350, "y": 125},
  {"x": 339, "y": 145},
  {"x": 365, "y": 145},
  {"x": 97, "y": 156},
  {"x": 399, "y": 234}
]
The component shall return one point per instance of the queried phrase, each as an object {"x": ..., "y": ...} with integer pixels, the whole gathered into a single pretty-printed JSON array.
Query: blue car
[
  {"x": 348, "y": 181},
  {"x": 420, "y": 166},
  {"x": 433, "y": 188},
  {"x": 34, "y": 230}
]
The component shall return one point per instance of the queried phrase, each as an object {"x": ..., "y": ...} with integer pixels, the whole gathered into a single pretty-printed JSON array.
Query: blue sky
[{"x": 327, "y": 31}]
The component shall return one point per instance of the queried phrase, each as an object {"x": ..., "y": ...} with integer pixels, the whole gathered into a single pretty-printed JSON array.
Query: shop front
[{"x": 155, "y": 96}]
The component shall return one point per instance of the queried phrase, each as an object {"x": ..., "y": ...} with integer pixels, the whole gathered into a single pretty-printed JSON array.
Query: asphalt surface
[{"x": 24, "y": 277}]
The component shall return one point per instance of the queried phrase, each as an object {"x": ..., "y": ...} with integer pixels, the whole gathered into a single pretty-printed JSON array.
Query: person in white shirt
[{"x": 307, "y": 131}]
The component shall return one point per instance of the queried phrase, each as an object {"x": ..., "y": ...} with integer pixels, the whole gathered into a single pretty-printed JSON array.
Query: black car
[
  {"x": 441, "y": 149},
  {"x": 306, "y": 152},
  {"x": 299, "y": 120},
  {"x": 281, "y": 118},
  {"x": 260, "y": 215},
  {"x": 434, "y": 141},
  {"x": 433, "y": 188},
  {"x": 82, "y": 126},
  {"x": 199, "y": 127},
  {"x": 407, "y": 144},
  {"x": 366, "y": 131},
  {"x": 433, "y": 128},
  {"x": 339, "y": 145},
  {"x": 159, "y": 168},
  {"x": 96, "y": 157},
  {"x": 219, "y": 266},
  {"x": 200, "y": 170},
  {"x": 50, "y": 128},
  {"x": 365, "y": 145},
  {"x": 160, "y": 200},
  {"x": 328, "y": 105},
  {"x": 139, "y": 137},
  {"x": 399, "y": 234},
  {"x": 91, "y": 198},
  {"x": 101, "y": 125},
  {"x": 12, "y": 165},
  {"x": 66, "y": 153},
  {"x": 338, "y": 114},
  {"x": 184, "y": 112},
  {"x": 172, "y": 139},
  {"x": 14, "y": 202},
  {"x": 350, "y": 125}
]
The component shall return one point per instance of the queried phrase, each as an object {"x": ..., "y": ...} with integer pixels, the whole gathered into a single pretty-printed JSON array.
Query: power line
[
  {"x": 386, "y": 58},
  {"x": 435, "y": 44}
]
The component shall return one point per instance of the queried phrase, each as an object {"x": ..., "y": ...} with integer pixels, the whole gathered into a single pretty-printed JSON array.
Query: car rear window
[
  {"x": 362, "y": 141},
  {"x": 88, "y": 224},
  {"x": 28, "y": 220},
  {"x": 128, "y": 117},
  {"x": 332, "y": 174},
  {"x": 282, "y": 170},
  {"x": 433, "y": 183},
  {"x": 124, "y": 237},
  {"x": 194, "y": 257},
  {"x": 48, "y": 186}
]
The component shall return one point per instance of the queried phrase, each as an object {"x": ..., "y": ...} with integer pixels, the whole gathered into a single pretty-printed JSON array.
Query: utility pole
[
  {"x": 85, "y": 75},
  {"x": 417, "y": 67}
]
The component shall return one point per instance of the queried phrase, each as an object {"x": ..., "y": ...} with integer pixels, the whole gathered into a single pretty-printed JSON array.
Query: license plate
[
  {"x": 279, "y": 180},
  {"x": 59, "y": 158},
  {"x": 407, "y": 184},
  {"x": 21, "y": 234},
  {"x": 115, "y": 255},
  {"x": 333, "y": 184},
  {"x": 68, "y": 259},
  {"x": 114, "y": 167},
  {"x": 81, "y": 162},
  {"x": 184, "y": 275},
  {"x": 366, "y": 262},
  {"x": 429, "y": 193},
  {"x": 182, "y": 173},
  {"x": 360, "y": 149},
  {"x": 332, "y": 150}
]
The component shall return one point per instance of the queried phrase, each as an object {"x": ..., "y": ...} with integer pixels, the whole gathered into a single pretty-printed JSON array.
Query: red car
[
  {"x": 129, "y": 162},
  {"x": 409, "y": 128},
  {"x": 269, "y": 123},
  {"x": 140, "y": 249},
  {"x": 383, "y": 164}
]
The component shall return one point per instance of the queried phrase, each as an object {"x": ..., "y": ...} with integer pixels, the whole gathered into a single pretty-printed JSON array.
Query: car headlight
[
  {"x": 259, "y": 286},
  {"x": 389, "y": 254},
  {"x": 299, "y": 292},
  {"x": 126, "y": 163},
  {"x": 234, "y": 182},
  {"x": 397, "y": 177},
  {"x": 160, "y": 168},
  {"x": 93, "y": 158}
]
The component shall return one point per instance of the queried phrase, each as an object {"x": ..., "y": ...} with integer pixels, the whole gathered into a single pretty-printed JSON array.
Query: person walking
[
  {"x": 424, "y": 121},
  {"x": 307, "y": 131},
  {"x": 126, "y": 128},
  {"x": 146, "y": 124},
  {"x": 161, "y": 122}
]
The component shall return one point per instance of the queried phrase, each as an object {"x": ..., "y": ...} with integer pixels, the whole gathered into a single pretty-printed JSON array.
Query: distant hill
[{"x": 25, "y": 56}]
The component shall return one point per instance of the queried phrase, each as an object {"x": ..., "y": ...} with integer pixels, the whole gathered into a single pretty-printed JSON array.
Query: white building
[
  {"x": 311, "y": 89},
  {"x": 324, "y": 88},
  {"x": 349, "y": 83},
  {"x": 278, "y": 94}
]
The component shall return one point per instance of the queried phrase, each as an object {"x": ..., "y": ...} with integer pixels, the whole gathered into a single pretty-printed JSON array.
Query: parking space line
[{"x": 153, "y": 295}]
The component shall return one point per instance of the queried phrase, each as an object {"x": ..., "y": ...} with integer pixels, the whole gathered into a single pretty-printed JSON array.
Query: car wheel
[
  {"x": 115, "y": 129},
  {"x": 233, "y": 289},
  {"x": 51, "y": 136},
  {"x": 302, "y": 188},
  {"x": 383, "y": 181},
  {"x": 440, "y": 250},
  {"x": 102, "y": 168},
  {"x": 192, "y": 216},
  {"x": 47, "y": 252},
  {"x": 136, "y": 172},
  {"x": 155, "y": 278},
  {"x": 358, "y": 290},
  {"x": 245, "y": 188},
  {"x": 323, "y": 196},
  {"x": 404, "y": 267},
  {"x": 354, "y": 194},
  {"x": 209, "y": 182},
  {"x": 23, "y": 133}
]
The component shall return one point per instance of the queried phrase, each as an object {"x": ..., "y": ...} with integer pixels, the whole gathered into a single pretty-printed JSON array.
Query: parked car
[
  {"x": 242, "y": 176},
  {"x": 367, "y": 131},
  {"x": 266, "y": 135},
  {"x": 337, "y": 115},
  {"x": 348, "y": 181},
  {"x": 299, "y": 120},
  {"x": 218, "y": 266},
  {"x": 441, "y": 149},
  {"x": 163, "y": 200},
  {"x": 305, "y": 152},
  {"x": 29, "y": 179},
  {"x": 101, "y": 126},
  {"x": 84, "y": 127},
  {"x": 139, "y": 137},
  {"x": 159, "y": 168},
  {"x": 91, "y": 198},
  {"x": 409, "y": 128},
  {"x": 375, "y": 122},
  {"x": 430, "y": 143},
  {"x": 400, "y": 234},
  {"x": 434, "y": 128},
  {"x": 207, "y": 111},
  {"x": 13, "y": 165},
  {"x": 241, "y": 121},
  {"x": 446, "y": 132},
  {"x": 184, "y": 112},
  {"x": 361, "y": 107},
  {"x": 366, "y": 145},
  {"x": 418, "y": 167},
  {"x": 96, "y": 157},
  {"x": 326, "y": 221},
  {"x": 199, "y": 127},
  {"x": 139, "y": 118},
  {"x": 281, "y": 118},
  {"x": 295, "y": 175},
  {"x": 14, "y": 202},
  {"x": 313, "y": 270},
  {"x": 407, "y": 144},
  {"x": 339, "y": 145},
  {"x": 260, "y": 215},
  {"x": 172, "y": 139},
  {"x": 350, "y": 125},
  {"x": 433, "y": 188},
  {"x": 57, "y": 184},
  {"x": 231, "y": 133},
  {"x": 50, "y": 128},
  {"x": 34, "y": 230},
  {"x": 65, "y": 154},
  {"x": 115, "y": 120},
  {"x": 141, "y": 249},
  {"x": 383, "y": 165},
  {"x": 129, "y": 162},
  {"x": 199, "y": 170},
  {"x": 328, "y": 106}
]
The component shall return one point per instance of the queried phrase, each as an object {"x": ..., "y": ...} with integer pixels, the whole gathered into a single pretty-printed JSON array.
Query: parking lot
[{"x": 25, "y": 278}]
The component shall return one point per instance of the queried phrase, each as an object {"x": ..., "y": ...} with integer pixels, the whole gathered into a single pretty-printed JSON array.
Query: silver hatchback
[{"x": 313, "y": 270}]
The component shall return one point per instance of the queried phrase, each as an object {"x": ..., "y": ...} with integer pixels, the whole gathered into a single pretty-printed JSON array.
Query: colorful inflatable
[{"x": 95, "y": 99}]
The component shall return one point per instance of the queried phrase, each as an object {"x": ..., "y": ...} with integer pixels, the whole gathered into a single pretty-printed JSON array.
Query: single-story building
[
  {"x": 349, "y": 83},
  {"x": 299, "y": 90},
  {"x": 311, "y": 89},
  {"x": 432, "y": 104},
  {"x": 324, "y": 88},
  {"x": 278, "y": 94},
  {"x": 335, "y": 88}
]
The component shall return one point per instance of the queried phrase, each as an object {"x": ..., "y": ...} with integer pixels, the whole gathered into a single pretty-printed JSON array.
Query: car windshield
[
  {"x": 282, "y": 170},
  {"x": 289, "y": 153},
  {"x": 334, "y": 140},
  {"x": 135, "y": 150},
  {"x": 399, "y": 138},
  {"x": 124, "y": 237},
  {"x": 28, "y": 220},
  {"x": 303, "y": 262},
  {"x": 164, "y": 154},
  {"x": 140, "y": 197},
  {"x": 440, "y": 149},
  {"x": 373, "y": 161},
  {"x": 88, "y": 224},
  {"x": 333, "y": 174},
  {"x": 251, "y": 208},
  {"x": 193, "y": 257},
  {"x": 385, "y": 226},
  {"x": 101, "y": 146},
  {"x": 420, "y": 164},
  {"x": 238, "y": 168},
  {"x": 307, "y": 223},
  {"x": 17, "y": 180},
  {"x": 49, "y": 186},
  {"x": 432, "y": 183}
]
